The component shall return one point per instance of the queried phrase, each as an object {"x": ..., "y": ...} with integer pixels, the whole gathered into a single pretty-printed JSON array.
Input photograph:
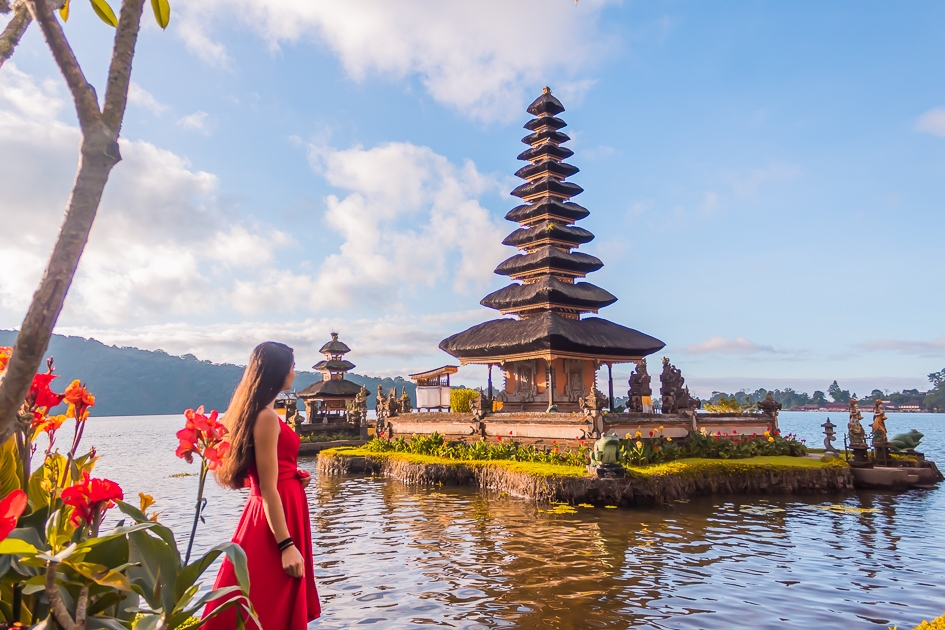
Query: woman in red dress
[{"x": 274, "y": 529}]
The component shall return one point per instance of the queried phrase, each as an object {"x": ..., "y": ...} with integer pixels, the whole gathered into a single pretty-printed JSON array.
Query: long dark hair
[{"x": 262, "y": 381}]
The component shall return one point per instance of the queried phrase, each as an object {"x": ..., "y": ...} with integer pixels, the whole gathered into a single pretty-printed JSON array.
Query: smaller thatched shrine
[
  {"x": 327, "y": 400},
  {"x": 433, "y": 388}
]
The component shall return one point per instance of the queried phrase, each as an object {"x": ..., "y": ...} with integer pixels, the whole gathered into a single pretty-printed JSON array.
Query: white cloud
[
  {"x": 932, "y": 121},
  {"x": 721, "y": 345},
  {"x": 137, "y": 95},
  {"x": 933, "y": 348},
  {"x": 410, "y": 217},
  {"x": 385, "y": 345},
  {"x": 482, "y": 58},
  {"x": 198, "y": 121},
  {"x": 160, "y": 244}
]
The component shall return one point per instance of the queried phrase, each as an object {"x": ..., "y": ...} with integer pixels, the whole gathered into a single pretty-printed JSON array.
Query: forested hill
[{"x": 128, "y": 381}]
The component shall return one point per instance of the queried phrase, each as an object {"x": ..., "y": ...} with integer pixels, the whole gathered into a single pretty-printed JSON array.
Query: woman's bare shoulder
[{"x": 267, "y": 421}]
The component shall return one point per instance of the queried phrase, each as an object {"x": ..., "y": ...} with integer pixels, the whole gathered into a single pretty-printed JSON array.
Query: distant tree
[
  {"x": 935, "y": 399},
  {"x": 819, "y": 398},
  {"x": 838, "y": 395}
]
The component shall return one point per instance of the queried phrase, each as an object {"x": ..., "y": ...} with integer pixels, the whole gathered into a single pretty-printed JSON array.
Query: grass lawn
[{"x": 681, "y": 467}]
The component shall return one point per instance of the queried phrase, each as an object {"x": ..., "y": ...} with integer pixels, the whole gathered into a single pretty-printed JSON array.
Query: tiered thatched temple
[
  {"x": 327, "y": 400},
  {"x": 549, "y": 350}
]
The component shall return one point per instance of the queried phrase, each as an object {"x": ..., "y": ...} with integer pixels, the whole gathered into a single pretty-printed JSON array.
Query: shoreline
[{"x": 659, "y": 484}]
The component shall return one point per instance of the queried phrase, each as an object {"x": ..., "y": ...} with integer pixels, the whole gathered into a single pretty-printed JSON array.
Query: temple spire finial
[{"x": 546, "y": 90}]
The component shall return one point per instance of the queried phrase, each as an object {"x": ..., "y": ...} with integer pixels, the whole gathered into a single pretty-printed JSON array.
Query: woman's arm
[{"x": 266, "y": 439}]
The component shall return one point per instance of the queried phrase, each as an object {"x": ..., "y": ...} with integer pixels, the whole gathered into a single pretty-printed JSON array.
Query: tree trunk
[{"x": 99, "y": 154}]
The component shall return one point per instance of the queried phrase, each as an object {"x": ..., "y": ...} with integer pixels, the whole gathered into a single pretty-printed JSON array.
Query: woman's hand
[
  {"x": 292, "y": 562},
  {"x": 305, "y": 478}
]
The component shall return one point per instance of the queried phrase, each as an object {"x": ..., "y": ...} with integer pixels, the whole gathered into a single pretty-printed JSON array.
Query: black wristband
[{"x": 285, "y": 544}]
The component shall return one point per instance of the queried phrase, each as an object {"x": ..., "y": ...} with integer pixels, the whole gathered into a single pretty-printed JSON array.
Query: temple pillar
[
  {"x": 550, "y": 384},
  {"x": 610, "y": 386},
  {"x": 490, "y": 383}
]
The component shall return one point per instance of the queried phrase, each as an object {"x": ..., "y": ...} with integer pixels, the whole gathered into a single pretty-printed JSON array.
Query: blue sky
[{"x": 765, "y": 181}]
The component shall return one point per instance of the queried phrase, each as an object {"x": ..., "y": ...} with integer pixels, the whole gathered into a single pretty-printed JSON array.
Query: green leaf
[
  {"x": 100, "y": 574},
  {"x": 155, "y": 577},
  {"x": 17, "y": 547},
  {"x": 162, "y": 12},
  {"x": 192, "y": 572},
  {"x": 10, "y": 467},
  {"x": 64, "y": 11},
  {"x": 103, "y": 11},
  {"x": 105, "y": 623}
]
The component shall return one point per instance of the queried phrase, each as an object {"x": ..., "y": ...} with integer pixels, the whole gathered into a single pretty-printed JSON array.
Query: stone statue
[
  {"x": 382, "y": 409},
  {"x": 854, "y": 428},
  {"x": 639, "y": 388},
  {"x": 379, "y": 398},
  {"x": 879, "y": 422},
  {"x": 906, "y": 442},
  {"x": 478, "y": 406},
  {"x": 673, "y": 391},
  {"x": 405, "y": 405},
  {"x": 393, "y": 404},
  {"x": 291, "y": 412},
  {"x": 357, "y": 410},
  {"x": 770, "y": 408},
  {"x": 605, "y": 458},
  {"x": 592, "y": 406}
]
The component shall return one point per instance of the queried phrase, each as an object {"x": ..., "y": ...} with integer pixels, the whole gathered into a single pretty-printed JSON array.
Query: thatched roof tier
[
  {"x": 334, "y": 346},
  {"x": 551, "y": 186},
  {"x": 548, "y": 168},
  {"x": 546, "y": 233},
  {"x": 545, "y": 122},
  {"x": 550, "y": 260},
  {"x": 549, "y": 292},
  {"x": 549, "y": 336},
  {"x": 334, "y": 388},
  {"x": 546, "y": 135},
  {"x": 548, "y": 208},
  {"x": 545, "y": 105},
  {"x": 545, "y": 152},
  {"x": 334, "y": 365}
]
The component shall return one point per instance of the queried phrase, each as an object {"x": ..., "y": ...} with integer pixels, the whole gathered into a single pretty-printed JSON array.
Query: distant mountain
[{"x": 130, "y": 382}]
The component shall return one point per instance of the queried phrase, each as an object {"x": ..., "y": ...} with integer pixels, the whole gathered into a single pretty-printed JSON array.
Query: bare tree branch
[
  {"x": 119, "y": 74},
  {"x": 86, "y": 102},
  {"x": 13, "y": 32}
]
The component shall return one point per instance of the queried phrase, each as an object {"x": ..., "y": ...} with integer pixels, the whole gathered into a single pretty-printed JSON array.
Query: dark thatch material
[
  {"x": 548, "y": 230},
  {"x": 547, "y": 134},
  {"x": 547, "y": 185},
  {"x": 335, "y": 347},
  {"x": 550, "y": 257},
  {"x": 334, "y": 388},
  {"x": 545, "y": 152},
  {"x": 548, "y": 168},
  {"x": 549, "y": 290},
  {"x": 545, "y": 105},
  {"x": 334, "y": 365},
  {"x": 545, "y": 121},
  {"x": 564, "y": 211},
  {"x": 552, "y": 333}
]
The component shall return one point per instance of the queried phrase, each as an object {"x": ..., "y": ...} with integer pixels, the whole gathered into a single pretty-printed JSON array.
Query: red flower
[
  {"x": 498, "y": 438},
  {"x": 40, "y": 395},
  {"x": 510, "y": 433},
  {"x": 203, "y": 436},
  {"x": 734, "y": 432},
  {"x": 553, "y": 442},
  {"x": 5, "y": 353},
  {"x": 79, "y": 399},
  {"x": 90, "y": 497},
  {"x": 11, "y": 507}
]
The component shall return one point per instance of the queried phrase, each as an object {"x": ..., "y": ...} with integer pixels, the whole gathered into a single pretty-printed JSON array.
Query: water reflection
[{"x": 391, "y": 556}]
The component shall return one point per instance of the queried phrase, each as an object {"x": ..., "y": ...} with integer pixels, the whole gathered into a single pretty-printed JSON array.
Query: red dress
[{"x": 281, "y": 602}]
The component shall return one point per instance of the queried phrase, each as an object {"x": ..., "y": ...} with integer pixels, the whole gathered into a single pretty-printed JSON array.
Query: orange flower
[
  {"x": 40, "y": 395},
  {"x": 5, "y": 353},
  {"x": 80, "y": 400},
  {"x": 11, "y": 507}
]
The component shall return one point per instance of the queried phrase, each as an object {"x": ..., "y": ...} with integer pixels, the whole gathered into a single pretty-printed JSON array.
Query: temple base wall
[{"x": 574, "y": 426}]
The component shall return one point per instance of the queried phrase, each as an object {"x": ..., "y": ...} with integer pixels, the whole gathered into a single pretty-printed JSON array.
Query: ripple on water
[{"x": 389, "y": 556}]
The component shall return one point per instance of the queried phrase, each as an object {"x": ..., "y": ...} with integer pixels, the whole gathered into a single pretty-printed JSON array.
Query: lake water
[{"x": 391, "y": 556}]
